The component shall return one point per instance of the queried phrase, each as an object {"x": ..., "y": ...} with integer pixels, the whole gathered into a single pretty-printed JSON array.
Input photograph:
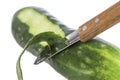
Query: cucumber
[
  {"x": 40, "y": 33},
  {"x": 25, "y": 26},
  {"x": 93, "y": 60}
]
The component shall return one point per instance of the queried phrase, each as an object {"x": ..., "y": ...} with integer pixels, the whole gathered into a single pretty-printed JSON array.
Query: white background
[{"x": 73, "y": 13}]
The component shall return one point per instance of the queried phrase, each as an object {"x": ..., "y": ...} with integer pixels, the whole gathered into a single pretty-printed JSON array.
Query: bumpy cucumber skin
[
  {"x": 21, "y": 33},
  {"x": 93, "y": 60}
]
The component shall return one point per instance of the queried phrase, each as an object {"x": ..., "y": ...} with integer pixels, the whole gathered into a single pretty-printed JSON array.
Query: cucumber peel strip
[
  {"x": 18, "y": 64},
  {"x": 49, "y": 37}
]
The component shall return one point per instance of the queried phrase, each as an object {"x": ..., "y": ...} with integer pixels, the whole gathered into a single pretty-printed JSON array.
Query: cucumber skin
[{"x": 93, "y": 60}]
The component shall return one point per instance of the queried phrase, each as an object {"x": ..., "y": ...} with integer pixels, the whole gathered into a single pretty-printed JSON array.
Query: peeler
[{"x": 90, "y": 29}]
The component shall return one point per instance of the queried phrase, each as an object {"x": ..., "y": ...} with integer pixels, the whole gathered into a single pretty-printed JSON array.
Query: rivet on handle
[
  {"x": 84, "y": 28},
  {"x": 97, "y": 20}
]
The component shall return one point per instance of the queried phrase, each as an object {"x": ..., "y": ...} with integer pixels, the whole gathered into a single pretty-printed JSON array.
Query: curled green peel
[
  {"x": 18, "y": 65},
  {"x": 49, "y": 37}
]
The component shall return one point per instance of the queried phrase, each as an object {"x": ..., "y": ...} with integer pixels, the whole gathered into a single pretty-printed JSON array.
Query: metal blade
[{"x": 39, "y": 60}]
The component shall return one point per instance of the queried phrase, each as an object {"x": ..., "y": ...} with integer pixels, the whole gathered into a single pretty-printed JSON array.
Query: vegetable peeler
[{"x": 90, "y": 29}]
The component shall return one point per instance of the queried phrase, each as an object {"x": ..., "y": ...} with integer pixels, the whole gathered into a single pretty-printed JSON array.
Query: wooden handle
[{"x": 100, "y": 23}]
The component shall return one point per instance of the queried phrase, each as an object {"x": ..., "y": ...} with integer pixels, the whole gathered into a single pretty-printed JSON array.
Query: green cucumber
[
  {"x": 93, "y": 60},
  {"x": 37, "y": 31},
  {"x": 25, "y": 26}
]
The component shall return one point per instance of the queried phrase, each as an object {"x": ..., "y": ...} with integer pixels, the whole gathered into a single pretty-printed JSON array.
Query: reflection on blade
[{"x": 39, "y": 60}]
